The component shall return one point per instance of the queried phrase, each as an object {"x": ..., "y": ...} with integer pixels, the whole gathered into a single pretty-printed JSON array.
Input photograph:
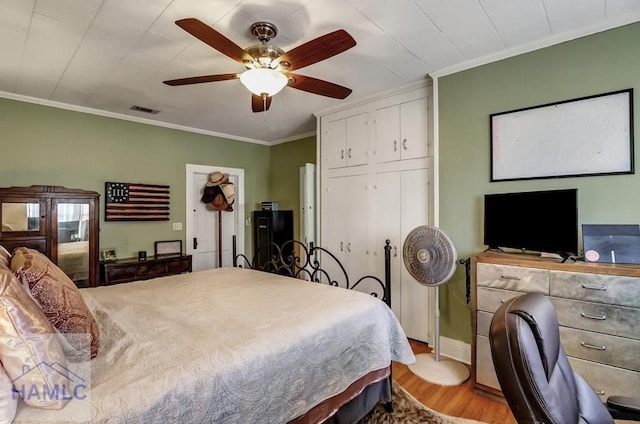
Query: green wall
[
  {"x": 595, "y": 64},
  {"x": 51, "y": 146},
  {"x": 286, "y": 160}
]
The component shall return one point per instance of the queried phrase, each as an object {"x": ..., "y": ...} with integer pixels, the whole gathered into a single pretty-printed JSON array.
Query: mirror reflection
[
  {"x": 73, "y": 240},
  {"x": 20, "y": 217}
]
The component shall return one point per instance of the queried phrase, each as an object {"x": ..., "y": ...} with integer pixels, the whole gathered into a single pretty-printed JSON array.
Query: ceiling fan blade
[
  {"x": 210, "y": 36},
  {"x": 201, "y": 79},
  {"x": 318, "y": 86},
  {"x": 318, "y": 49},
  {"x": 258, "y": 103}
]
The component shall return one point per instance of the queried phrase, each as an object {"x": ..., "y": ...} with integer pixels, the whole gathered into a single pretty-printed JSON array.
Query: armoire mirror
[
  {"x": 73, "y": 239},
  {"x": 19, "y": 216}
]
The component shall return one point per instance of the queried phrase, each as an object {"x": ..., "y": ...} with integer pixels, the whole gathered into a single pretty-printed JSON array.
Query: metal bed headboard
[{"x": 314, "y": 263}]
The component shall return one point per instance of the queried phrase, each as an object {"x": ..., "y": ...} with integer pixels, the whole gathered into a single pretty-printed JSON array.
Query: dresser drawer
[
  {"x": 485, "y": 374},
  {"x": 483, "y": 323},
  {"x": 600, "y": 288},
  {"x": 151, "y": 270},
  {"x": 527, "y": 280},
  {"x": 489, "y": 300},
  {"x": 179, "y": 265},
  {"x": 607, "y": 380},
  {"x": 598, "y": 317},
  {"x": 119, "y": 273},
  {"x": 603, "y": 348}
]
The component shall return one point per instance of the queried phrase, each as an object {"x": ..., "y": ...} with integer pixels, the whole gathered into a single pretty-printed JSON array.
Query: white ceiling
[{"x": 107, "y": 55}]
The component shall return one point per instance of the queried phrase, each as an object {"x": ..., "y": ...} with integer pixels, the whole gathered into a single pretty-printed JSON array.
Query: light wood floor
[{"x": 457, "y": 401}]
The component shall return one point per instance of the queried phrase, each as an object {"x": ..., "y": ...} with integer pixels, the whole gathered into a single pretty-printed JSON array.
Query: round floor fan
[{"x": 431, "y": 258}]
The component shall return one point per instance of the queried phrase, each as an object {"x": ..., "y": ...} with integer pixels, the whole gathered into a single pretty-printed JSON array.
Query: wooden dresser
[
  {"x": 131, "y": 269},
  {"x": 598, "y": 307}
]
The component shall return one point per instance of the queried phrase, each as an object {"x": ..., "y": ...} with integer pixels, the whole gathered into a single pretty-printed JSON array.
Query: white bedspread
[{"x": 229, "y": 345}]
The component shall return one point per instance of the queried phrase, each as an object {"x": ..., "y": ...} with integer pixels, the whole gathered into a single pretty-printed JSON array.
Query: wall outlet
[{"x": 177, "y": 226}]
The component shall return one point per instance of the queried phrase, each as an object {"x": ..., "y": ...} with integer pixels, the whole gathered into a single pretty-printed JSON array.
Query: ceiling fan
[{"x": 268, "y": 67}]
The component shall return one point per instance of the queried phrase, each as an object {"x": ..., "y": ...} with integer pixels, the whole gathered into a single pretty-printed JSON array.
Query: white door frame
[{"x": 238, "y": 205}]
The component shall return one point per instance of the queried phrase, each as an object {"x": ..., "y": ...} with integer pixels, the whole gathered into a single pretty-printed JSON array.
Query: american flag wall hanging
[{"x": 136, "y": 202}]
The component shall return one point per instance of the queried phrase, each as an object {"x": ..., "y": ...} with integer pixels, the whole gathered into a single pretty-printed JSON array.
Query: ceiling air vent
[{"x": 144, "y": 109}]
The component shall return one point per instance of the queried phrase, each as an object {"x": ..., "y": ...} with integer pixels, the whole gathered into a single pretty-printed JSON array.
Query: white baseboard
[{"x": 455, "y": 349}]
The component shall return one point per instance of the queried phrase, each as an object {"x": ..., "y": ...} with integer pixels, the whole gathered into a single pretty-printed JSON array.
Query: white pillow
[
  {"x": 8, "y": 402},
  {"x": 5, "y": 256}
]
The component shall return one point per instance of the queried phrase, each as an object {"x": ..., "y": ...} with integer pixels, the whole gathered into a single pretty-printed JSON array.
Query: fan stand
[{"x": 434, "y": 369}]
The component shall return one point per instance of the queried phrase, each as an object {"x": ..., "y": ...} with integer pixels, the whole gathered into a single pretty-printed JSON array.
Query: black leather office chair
[{"x": 534, "y": 373}]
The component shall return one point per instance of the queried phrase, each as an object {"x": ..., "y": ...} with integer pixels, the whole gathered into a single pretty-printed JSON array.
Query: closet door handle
[
  {"x": 349, "y": 247},
  {"x": 404, "y": 144},
  {"x": 395, "y": 251},
  {"x": 349, "y": 153},
  {"x": 341, "y": 153},
  {"x": 395, "y": 145},
  {"x": 341, "y": 246}
]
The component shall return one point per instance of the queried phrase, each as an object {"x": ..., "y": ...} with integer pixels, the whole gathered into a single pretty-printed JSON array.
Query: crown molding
[
  {"x": 426, "y": 82},
  {"x": 547, "y": 42},
  {"x": 114, "y": 115}
]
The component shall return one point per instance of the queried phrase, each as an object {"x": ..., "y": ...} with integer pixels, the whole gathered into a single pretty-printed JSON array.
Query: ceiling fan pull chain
[{"x": 264, "y": 104}]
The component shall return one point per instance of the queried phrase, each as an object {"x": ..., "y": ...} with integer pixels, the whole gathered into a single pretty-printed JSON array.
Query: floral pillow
[{"x": 60, "y": 300}]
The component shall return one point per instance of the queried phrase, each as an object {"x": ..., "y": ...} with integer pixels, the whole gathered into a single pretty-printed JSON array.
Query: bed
[{"x": 234, "y": 345}]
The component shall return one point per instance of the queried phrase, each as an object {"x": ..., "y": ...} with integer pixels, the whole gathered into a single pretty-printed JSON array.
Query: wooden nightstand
[{"x": 131, "y": 269}]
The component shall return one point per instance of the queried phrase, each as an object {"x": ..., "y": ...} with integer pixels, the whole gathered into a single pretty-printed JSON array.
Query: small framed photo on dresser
[
  {"x": 108, "y": 254},
  {"x": 168, "y": 248}
]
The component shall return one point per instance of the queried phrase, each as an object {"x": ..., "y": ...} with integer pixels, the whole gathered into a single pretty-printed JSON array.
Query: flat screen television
[{"x": 541, "y": 221}]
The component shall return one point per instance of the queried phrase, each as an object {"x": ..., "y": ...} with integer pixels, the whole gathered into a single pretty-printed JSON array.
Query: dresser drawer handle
[
  {"x": 509, "y": 277},
  {"x": 598, "y": 317},
  {"x": 594, "y": 287},
  {"x": 590, "y": 346}
]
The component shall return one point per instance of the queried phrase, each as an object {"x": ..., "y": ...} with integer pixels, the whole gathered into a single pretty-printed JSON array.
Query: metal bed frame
[
  {"x": 313, "y": 263},
  {"x": 316, "y": 264}
]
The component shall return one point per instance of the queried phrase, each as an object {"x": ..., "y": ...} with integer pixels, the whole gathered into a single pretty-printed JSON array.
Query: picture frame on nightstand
[{"x": 167, "y": 248}]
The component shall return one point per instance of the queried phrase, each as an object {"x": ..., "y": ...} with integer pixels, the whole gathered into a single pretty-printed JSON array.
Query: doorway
[{"x": 207, "y": 231}]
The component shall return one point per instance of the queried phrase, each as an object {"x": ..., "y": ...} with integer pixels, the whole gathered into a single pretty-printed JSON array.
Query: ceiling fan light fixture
[{"x": 263, "y": 81}]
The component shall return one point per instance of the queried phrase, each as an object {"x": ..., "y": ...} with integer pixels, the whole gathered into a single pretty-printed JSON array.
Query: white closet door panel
[
  {"x": 413, "y": 129},
  {"x": 415, "y": 314},
  {"x": 387, "y": 134},
  {"x": 346, "y": 229},
  {"x": 334, "y": 225},
  {"x": 387, "y": 207},
  {"x": 333, "y": 144},
  {"x": 355, "y": 213},
  {"x": 357, "y": 139}
]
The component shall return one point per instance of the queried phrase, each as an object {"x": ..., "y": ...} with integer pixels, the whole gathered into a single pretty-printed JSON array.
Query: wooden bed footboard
[{"x": 314, "y": 263}]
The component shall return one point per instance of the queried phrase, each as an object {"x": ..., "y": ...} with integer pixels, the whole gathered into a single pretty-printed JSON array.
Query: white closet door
[
  {"x": 415, "y": 314},
  {"x": 413, "y": 116},
  {"x": 334, "y": 141},
  {"x": 355, "y": 213},
  {"x": 346, "y": 228},
  {"x": 387, "y": 134},
  {"x": 357, "y": 141},
  {"x": 388, "y": 216}
]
